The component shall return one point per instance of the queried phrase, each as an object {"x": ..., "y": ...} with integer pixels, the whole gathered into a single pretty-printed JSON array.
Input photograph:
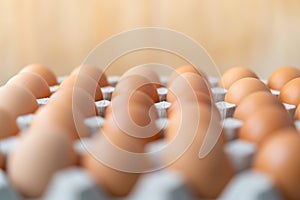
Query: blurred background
[{"x": 261, "y": 35}]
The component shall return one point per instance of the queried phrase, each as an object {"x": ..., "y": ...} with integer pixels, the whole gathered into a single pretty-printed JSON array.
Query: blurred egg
[
  {"x": 189, "y": 98},
  {"x": 133, "y": 83},
  {"x": 84, "y": 82},
  {"x": 234, "y": 74},
  {"x": 92, "y": 71},
  {"x": 33, "y": 82},
  {"x": 290, "y": 92},
  {"x": 114, "y": 181},
  {"x": 185, "y": 69},
  {"x": 187, "y": 82},
  {"x": 186, "y": 142},
  {"x": 8, "y": 126},
  {"x": 62, "y": 117},
  {"x": 17, "y": 100},
  {"x": 145, "y": 71},
  {"x": 254, "y": 102},
  {"x": 279, "y": 158},
  {"x": 281, "y": 76},
  {"x": 39, "y": 154},
  {"x": 78, "y": 98},
  {"x": 43, "y": 71},
  {"x": 242, "y": 88},
  {"x": 263, "y": 123}
]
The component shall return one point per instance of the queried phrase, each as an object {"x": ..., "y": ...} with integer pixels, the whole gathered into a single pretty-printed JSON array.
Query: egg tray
[{"x": 74, "y": 183}]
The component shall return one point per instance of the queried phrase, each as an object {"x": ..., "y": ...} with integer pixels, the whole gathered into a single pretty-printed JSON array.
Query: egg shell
[
  {"x": 39, "y": 154},
  {"x": 62, "y": 117},
  {"x": 84, "y": 82},
  {"x": 279, "y": 158},
  {"x": 242, "y": 88},
  {"x": 234, "y": 74},
  {"x": 79, "y": 99},
  {"x": 254, "y": 102},
  {"x": 206, "y": 176},
  {"x": 17, "y": 100},
  {"x": 33, "y": 82},
  {"x": 92, "y": 71},
  {"x": 281, "y": 76},
  {"x": 116, "y": 182},
  {"x": 187, "y": 82},
  {"x": 8, "y": 126},
  {"x": 297, "y": 113},
  {"x": 185, "y": 69},
  {"x": 133, "y": 121},
  {"x": 133, "y": 83},
  {"x": 43, "y": 71},
  {"x": 145, "y": 71},
  {"x": 290, "y": 92},
  {"x": 263, "y": 123},
  {"x": 189, "y": 98}
]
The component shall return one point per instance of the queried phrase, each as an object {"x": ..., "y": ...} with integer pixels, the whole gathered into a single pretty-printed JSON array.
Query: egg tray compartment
[{"x": 75, "y": 183}]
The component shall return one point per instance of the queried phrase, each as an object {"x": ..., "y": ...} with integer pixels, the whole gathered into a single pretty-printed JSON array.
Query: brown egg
[
  {"x": 297, "y": 113},
  {"x": 279, "y": 158},
  {"x": 133, "y": 83},
  {"x": 84, "y": 82},
  {"x": 92, "y": 71},
  {"x": 8, "y": 126},
  {"x": 187, "y": 82},
  {"x": 17, "y": 100},
  {"x": 185, "y": 69},
  {"x": 203, "y": 175},
  {"x": 263, "y": 123},
  {"x": 33, "y": 82},
  {"x": 242, "y": 88},
  {"x": 281, "y": 76},
  {"x": 254, "y": 102},
  {"x": 290, "y": 92},
  {"x": 113, "y": 180},
  {"x": 62, "y": 117},
  {"x": 189, "y": 98},
  {"x": 145, "y": 71},
  {"x": 43, "y": 71},
  {"x": 234, "y": 74},
  {"x": 79, "y": 99},
  {"x": 40, "y": 153}
]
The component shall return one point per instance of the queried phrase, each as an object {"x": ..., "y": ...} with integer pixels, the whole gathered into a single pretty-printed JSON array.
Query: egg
[
  {"x": 39, "y": 154},
  {"x": 279, "y": 158},
  {"x": 33, "y": 82},
  {"x": 145, "y": 71},
  {"x": 17, "y": 100},
  {"x": 254, "y": 102},
  {"x": 189, "y": 98},
  {"x": 84, "y": 82},
  {"x": 62, "y": 117},
  {"x": 206, "y": 176},
  {"x": 290, "y": 92},
  {"x": 185, "y": 69},
  {"x": 263, "y": 123},
  {"x": 187, "y": 82},
  {"x": 92, "y": 71},
  {"x": 133, "y": 83},
  {"x": 43, "y": 71},
  {"x": 234, "y": 74},
  {"x": 78, "y": 98},
  {"x": 8, "y": 126},
  {"x": 242, "y": 88},
  {"x": 281, "y": 76},
  {"x": 129, "y": 127}
]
